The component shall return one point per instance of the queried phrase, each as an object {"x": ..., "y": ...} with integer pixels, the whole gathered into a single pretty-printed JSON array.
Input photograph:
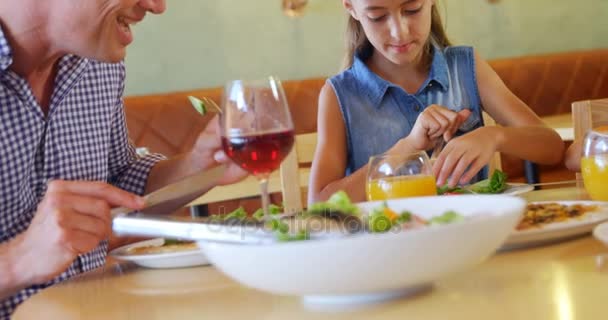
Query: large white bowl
[{"x": 372, "y": 266}]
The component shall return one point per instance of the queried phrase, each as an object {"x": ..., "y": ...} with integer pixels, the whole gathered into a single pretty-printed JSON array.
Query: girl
[{"x": 404, "y": 88}]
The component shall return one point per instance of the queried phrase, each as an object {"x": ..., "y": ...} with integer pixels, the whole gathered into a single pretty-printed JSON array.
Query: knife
[{"x": 178, "y": 194}]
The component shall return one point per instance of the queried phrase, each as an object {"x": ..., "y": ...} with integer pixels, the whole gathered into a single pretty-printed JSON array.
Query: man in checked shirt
[{"x": 65, "y": 158}]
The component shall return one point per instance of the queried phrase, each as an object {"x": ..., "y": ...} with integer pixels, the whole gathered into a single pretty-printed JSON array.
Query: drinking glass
[
  {"x": 594, "y": 165},
  {"x": 398, "y": 176},
  {"x": 256, "y": 127}
]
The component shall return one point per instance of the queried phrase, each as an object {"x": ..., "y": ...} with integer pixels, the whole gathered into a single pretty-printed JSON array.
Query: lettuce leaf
[
  {"x": 339, "y": 201},
  {"x": 497, "y": 183}
]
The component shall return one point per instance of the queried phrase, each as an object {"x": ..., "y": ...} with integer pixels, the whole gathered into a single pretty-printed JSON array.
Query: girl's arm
[
  {"x": 329, "y": 162},
  {"x": 521, "y": 134},
  {"x": 525, "y": 135}
]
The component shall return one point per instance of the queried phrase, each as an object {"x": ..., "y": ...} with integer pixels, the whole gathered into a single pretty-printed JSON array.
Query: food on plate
[
  {"x": 539, "y": 214},
  {"x": 168, "y": 246},
  {"x": 446, "y": 190},
  {"x": 497, "y": 183},
  {"x": 337, "y": 212}
]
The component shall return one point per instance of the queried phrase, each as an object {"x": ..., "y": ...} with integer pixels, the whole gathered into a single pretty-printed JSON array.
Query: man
[{"x": 66, "y": 159}]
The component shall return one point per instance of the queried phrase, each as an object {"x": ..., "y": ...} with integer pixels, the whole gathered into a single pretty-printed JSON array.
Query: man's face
[{"x": 98, "y": 29}]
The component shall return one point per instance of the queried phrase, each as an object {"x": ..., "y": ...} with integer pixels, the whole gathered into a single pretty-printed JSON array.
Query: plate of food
[
  {"x": 496, "y": 184},
  {"x": 162, "y": 253},
  {"x": 551, "y": 221}
]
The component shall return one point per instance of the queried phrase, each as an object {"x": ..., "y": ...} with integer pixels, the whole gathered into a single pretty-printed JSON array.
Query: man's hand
[
  {"x": 72, "y": 219},
  {"x": 208, "y": 150}
]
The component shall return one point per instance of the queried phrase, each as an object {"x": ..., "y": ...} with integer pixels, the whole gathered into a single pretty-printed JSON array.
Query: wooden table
[{"x": 562, "y": 281}]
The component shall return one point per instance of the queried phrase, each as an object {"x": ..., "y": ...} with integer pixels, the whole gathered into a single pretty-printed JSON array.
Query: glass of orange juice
[
  {"x": 398, "y": 176},
  {"x": 594, "y": 165}
]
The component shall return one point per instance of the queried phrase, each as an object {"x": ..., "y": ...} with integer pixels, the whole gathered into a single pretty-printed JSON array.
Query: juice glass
[
  {"x": 398, "y": 176},
  {"x": 594, "y": 165}
]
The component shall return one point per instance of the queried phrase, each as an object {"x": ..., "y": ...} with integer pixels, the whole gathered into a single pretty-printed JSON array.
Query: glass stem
[{"x": 264, "y": 194}]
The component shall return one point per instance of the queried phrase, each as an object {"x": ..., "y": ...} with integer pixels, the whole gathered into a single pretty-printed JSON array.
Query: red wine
[{"x": 259, "y": 154}]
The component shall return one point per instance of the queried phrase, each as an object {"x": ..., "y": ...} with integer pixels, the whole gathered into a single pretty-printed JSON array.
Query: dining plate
[
  {"x": 600, "y": 232},
  {"x": 370, "y": 267},
  {"x": 557, "y": 231},
  {"x": 514, "y": 189},
  {"x": 170, "y": 259}
]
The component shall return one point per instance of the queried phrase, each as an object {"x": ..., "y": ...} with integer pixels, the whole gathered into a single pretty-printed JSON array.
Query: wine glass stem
[{"x": 264, "y": 193}]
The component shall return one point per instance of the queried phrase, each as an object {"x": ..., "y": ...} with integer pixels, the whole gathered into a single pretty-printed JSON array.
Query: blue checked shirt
[{"x": 83, "y": 137}]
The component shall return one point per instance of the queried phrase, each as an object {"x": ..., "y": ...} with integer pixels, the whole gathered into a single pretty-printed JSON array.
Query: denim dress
[{"x": 378, "y": 113}]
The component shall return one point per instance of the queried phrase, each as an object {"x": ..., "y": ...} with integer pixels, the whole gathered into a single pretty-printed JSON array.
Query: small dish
[
  {"x": 600, "y": 232},
  {"x": 177, "y": 259}
]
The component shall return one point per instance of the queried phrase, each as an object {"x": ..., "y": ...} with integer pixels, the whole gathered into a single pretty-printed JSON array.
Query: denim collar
[{"x": 376, "y": 87}]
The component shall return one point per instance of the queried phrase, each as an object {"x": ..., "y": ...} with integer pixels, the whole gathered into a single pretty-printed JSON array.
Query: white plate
[
  {"x": 370, "y": 267},
  {"x": 176, "y": 259},
  {"x": 514, "y": 189},
  {"x": 600, "y": 232},
  {"x": 556, "y": 231}
]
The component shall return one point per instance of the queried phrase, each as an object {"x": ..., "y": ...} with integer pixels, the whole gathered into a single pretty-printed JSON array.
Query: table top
[{"x": 563, "y": 281}]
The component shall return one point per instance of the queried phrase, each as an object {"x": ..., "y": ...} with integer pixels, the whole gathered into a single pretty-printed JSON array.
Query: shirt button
[
  {"x": 417, "y": 108},
  {"x": 430, "y": 85}
]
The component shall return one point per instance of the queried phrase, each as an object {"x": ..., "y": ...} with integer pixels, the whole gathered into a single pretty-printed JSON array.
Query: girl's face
[
  {"x": 98, "y": 29},
  {"x": 398, "y": 29}
]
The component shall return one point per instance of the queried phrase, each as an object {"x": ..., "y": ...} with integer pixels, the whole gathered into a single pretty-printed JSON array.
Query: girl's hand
[
  {"x": 464, "y": 156},
  {"x": 434, "y": 122}
]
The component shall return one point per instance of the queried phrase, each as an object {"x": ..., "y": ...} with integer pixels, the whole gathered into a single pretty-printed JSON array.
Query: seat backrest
[
  {"x": 291, "y": 179},
  {"x": 588, "y": 115},
  {"x": 495, "y": 163},
  {"x": 295, "y": 177}
]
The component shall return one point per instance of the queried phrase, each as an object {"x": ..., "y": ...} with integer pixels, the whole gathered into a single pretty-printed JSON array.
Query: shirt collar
[
  {"x": 439, "y": 70},
  {"x": 6, "y": 56},
  {"x": 375, "y": 87}
]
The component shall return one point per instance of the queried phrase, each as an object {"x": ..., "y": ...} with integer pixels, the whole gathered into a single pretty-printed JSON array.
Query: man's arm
[
  {"x": 72, "y": 219},
  {"x": 10, "y": 283}
]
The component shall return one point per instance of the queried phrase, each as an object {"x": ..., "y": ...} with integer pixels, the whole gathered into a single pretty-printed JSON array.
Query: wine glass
[
  {"x": 400, "y": 175},
  {"x": 256, "y": 127},
  {"x": 594, "y": 165}
]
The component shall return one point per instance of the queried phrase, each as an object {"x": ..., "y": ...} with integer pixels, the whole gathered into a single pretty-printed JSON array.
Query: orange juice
[
  {"x": 399, "y": 187},
  {"x": 595, "y": 176}
]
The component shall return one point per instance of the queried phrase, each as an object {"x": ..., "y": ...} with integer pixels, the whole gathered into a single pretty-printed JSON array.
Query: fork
[{"x": 200, "y": 105}]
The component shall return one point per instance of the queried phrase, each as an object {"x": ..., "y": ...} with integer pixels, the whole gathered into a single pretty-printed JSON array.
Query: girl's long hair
[{"x": 357, "y": 42}]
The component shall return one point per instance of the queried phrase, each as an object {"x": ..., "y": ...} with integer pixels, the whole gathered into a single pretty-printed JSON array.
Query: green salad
[
  {"x": 381, "y": 219},
  {"x": 497, "y": 183}
]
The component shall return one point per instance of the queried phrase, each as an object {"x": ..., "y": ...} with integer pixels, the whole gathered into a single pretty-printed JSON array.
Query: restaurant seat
[
  {"x": 588, "y": 115},
  {"x": 496, "y": 161}
]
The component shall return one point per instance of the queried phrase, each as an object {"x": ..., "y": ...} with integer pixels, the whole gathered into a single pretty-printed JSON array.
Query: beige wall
[{"x": 203, "y": 43}]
